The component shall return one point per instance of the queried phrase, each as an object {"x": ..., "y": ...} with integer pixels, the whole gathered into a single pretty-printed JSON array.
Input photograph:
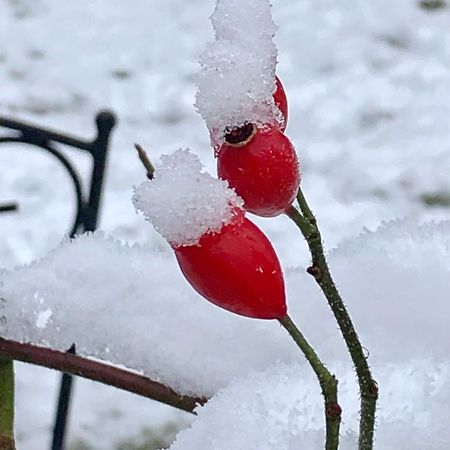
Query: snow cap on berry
[
  {"x": 237, "y": 79},
  {"x": 182, "y": 202}
]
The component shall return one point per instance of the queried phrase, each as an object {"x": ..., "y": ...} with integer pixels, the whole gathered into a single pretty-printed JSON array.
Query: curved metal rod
[
  {"x": 8, "y": 207},
  {"x": 69, "y": 168},
  {"x": 28, "y": 128},
  {"x": 98, "y": 371}
]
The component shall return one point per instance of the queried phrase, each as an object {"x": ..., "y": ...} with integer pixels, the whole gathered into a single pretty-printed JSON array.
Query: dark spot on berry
[{"x": 239, "y": 135}]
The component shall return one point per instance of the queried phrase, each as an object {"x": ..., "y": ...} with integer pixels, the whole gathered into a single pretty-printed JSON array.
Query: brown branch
[{"x": 97, "y": 371}]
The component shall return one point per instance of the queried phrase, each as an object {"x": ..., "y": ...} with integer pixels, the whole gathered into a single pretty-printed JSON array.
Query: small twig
[
  {"x": 98, "y": 371},
  {"x": 328, "y": 384},
  {"x": 145, "y": 160},
  {"x": 307, "y": 223},
  {"x": 7, "y": 404}
]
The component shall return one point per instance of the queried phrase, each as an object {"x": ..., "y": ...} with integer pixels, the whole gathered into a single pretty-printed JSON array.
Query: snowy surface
[
  {"x": 282, "y": 409},
  {"x": 398, "y": 300},
  {"x": 182, "y": 202},
  {"x": 367, "y": 86},
  {"x": 237, "y": 80}
]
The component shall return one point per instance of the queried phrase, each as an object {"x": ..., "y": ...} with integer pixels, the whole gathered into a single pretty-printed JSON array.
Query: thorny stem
[
  {"x": 93, "y": 370},
  {"x": 368, "y": 387},
  {"x": 328, "y": 384},
  {"x": 7, "y": 404}
]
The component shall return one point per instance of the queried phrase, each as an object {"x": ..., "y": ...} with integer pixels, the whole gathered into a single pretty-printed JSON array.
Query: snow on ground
[
  {"x": 282, "y": 409},
  {"x": 367, "y": 84}
]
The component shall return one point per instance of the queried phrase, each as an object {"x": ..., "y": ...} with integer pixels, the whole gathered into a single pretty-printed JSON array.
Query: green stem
[
  {"x": 328, "y": 384},
  {"x": 320, "y": 271},
  {"x": 7, "y": 405}
]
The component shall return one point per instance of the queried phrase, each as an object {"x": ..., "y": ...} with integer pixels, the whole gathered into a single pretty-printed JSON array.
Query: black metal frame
[{"x": 87, "y": 211}]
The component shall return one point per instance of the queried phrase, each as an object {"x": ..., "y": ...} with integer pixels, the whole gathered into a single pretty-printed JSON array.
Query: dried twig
[{"x": 98, "y": 371}]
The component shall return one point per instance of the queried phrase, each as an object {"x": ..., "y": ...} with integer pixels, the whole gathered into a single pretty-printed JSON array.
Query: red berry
[
  {"x": 281, "y": 101},
  {"x": 262, "y": 166},
  {"x": 236, "y": 269}
]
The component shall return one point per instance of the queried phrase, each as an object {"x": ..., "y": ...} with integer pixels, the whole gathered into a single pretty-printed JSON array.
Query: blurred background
[{"x": 368, "y": 83}]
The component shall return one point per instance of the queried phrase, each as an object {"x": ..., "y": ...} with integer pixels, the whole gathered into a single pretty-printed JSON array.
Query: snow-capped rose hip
[
  {"x": 222, "y": 254},
  {"x": 245, "y": 108},
  {"x": 280, "y": 99},
  {"x": 236, "y": 269},
  {"x": 262, "y": 166}
]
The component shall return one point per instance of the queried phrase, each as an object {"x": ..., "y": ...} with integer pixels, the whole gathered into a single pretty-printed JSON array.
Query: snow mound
[
  {"x": 396, "y": 282},
  {"x": 282, "y": 409},
  {"x": 183, "y": 203}
]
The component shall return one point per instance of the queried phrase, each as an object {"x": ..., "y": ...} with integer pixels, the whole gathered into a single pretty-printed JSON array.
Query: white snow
[
  {"x": 282, "y": 409},
  {"x": 183, "y": 203},
  {"x": 237, "y": 80},
  {"x": 43, "y": 318}
]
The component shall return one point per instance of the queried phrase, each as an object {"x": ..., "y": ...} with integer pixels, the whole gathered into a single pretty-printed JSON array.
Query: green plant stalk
[
  {"x": 328, "y": 384},
  {"x": 7, "y": 405},
  {"x": 320, "y": 271}
]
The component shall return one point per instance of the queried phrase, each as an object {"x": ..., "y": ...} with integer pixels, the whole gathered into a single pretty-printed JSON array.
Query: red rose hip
[
  {"x": 262, "y": 166},
  {"x": 236, "y": 269},
  {"x": 280, "y": 99}
]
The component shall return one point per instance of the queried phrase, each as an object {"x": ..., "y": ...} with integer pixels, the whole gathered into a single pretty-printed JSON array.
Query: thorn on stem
[
  {"x": 366, "y": 352},
  {"x": 314, "y": 271},
  {"x": 373, "y": 391},
  {"x": 72, "y": 349},
  {"x": 333, "y": 411}
]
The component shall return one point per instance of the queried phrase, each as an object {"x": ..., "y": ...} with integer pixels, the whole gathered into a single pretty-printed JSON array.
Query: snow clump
[
  {"x": 183, "y": 203},
  {"x": 281, "y": 408},
  {"x": 237, "y": 79}
]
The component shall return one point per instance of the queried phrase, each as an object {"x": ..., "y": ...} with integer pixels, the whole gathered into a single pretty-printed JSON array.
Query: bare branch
[{"x": 98, "y": 371}]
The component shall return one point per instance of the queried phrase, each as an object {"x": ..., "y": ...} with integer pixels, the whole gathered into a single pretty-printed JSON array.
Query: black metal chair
[{"x": 87, "y": 210}]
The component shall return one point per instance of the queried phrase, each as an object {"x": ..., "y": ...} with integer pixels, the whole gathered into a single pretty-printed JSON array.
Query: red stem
[{"x": 98, "y": 371}]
